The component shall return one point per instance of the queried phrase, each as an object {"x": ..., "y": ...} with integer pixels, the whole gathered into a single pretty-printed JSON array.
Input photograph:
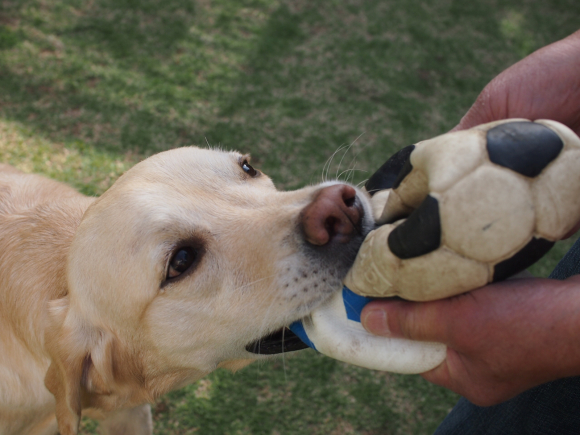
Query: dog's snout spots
[{"x": 332, "y": 216}]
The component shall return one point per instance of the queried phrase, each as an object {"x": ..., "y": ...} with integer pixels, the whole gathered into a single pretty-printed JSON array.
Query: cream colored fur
[{"x": 87, "y": 323}]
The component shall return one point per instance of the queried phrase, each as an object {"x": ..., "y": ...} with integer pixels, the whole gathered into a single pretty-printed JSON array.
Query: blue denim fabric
[
  {"x": 569, "y": 265},
  {"x": 549, "y": 409}
]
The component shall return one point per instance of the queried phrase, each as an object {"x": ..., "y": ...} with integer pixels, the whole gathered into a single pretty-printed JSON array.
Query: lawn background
[{"x": 88, "y": 88}]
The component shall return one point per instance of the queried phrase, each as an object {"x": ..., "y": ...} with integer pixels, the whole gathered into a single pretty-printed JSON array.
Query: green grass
[
  {"x": 89, "y": 88},
  {"x": 305, "y": 394}
]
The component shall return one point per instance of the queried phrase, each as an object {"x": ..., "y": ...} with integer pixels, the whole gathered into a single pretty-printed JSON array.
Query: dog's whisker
[
  {"x": 254, "y": 282},
  {"x": 350, "y": 175},
  {"x": 346, "y": 151},
  {"x": 353, "y": 166},
  {"x": 350, "y": 171},
  {"x": 263, "y": 328},
  {"x": 326, "y": 168},
  {"x": 328, "y": 163},
  {"x": 362, "y": 183},
  {"x": 323, "y": 174}
]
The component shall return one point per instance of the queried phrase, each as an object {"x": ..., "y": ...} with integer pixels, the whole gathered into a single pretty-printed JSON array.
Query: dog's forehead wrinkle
[
  {"x": 190, "y": 165},
  {"x": 185, "y": 169}
]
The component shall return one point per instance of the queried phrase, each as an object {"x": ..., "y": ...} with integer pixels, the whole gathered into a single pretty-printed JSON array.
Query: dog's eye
[
  {"x": 181, "y": 261},
  {"x": 248, "y": 169}
]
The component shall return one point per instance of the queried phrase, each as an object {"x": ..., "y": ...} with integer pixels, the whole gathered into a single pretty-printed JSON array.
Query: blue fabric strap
[{"x": 353, "y": 304}]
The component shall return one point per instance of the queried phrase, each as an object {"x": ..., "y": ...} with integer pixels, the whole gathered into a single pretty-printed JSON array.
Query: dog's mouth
[
  {"x": 280, "y": 341},
  {"x": 284, "y": 340}
]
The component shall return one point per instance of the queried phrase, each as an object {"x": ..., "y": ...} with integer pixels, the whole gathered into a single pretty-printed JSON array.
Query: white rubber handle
[{"x": 336, "y": 331}]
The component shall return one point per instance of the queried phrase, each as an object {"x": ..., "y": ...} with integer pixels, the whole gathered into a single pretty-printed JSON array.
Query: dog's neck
[{"x": 26, "y": 235}]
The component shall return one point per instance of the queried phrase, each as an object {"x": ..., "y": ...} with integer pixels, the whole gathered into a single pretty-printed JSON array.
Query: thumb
[
  {"x": 422, "y": 321},
  {"x": 486, "y": 108}
]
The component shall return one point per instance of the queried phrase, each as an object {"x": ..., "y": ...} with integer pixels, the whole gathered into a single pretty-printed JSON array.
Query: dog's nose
[{"x": 333, "y": 215}]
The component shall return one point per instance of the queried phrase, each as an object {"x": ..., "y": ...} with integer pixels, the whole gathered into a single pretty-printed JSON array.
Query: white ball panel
[
  {"x": 570, "y": 139},
  {"x": 439, "y": 274},
  {"x": 448, "y": 158},
  {"x": 394, "y": 208},
  {"x": 378, "y": 203},
  {"x": 556, "y": 196},
  {"x": 488, "y": 215},
  {"x": 414, "y": 188},
  {"x": 375, "y": 268}
]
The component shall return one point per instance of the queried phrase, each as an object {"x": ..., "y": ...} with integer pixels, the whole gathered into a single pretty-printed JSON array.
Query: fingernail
[{"x": 375, "y": 321}]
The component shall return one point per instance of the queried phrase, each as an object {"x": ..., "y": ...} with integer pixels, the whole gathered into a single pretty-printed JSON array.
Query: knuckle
[{"x": 415, "y": 321}]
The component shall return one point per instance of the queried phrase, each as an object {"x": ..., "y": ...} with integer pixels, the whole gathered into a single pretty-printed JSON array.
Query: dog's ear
[
  {"x": 63, "y": 378},
  {"x": 81, "y": 368}
]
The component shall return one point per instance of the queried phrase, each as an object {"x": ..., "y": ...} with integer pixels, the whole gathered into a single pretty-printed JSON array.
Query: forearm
[{"x": 561, "y": 320}]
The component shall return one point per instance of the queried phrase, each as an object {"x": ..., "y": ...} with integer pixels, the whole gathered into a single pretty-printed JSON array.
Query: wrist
[{"x": 566, "y": 326}]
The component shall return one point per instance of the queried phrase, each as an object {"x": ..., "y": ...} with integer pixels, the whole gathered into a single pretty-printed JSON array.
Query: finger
[
  {"x": 467, "y": 379},
  {"x": 453, "y": 374},
  {"x": 480, "y": 395},
  {"x": 411, "y": 320},
  {"x": 440, "y": 375}
]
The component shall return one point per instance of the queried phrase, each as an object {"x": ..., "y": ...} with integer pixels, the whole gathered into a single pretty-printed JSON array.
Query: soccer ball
[{"x": 468, "y": 208}]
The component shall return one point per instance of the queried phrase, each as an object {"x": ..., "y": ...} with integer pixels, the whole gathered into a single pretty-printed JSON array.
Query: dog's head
[{"x": 190, "y": 258}]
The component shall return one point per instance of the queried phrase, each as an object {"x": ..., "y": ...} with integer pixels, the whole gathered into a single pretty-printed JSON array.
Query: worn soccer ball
[{"x": 468, "y": 208}]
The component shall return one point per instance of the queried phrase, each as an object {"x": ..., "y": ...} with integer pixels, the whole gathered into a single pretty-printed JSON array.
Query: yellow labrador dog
[{"x": 191, "y": 261}]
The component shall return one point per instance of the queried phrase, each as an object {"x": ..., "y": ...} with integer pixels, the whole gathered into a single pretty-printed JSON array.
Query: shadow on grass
[
  {"x": 290, "y": 81},
  {"x": 122, "y": 75},
  {"x": 138, "y": 29}
]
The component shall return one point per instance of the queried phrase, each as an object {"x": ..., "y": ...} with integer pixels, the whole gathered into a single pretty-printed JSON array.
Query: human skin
[
  {"x": 544, "y": 85},
  {"x": 508, "y": 337}
]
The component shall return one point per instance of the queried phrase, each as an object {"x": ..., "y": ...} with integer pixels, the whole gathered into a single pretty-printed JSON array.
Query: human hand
[
  {"x": 507, "y": 337},
  {"x": 544, "y": 85},
  {"x": 501, "y": 339}
]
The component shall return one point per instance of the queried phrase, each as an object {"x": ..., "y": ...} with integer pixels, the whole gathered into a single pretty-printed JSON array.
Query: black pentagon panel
[
  {"x": 524, "y": 147},
  {"x": 420, "y": 233},
  {"x": 386, "y": 176},
  {"x": 405, "y": 170},
  {"x": 525, "y": 257}
]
